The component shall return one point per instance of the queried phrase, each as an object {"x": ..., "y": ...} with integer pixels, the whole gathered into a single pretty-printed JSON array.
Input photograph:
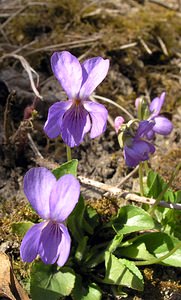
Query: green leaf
[
  {"x": 115, "y": 243},
  {"x": 93, "y": 292},
  {"x": 169, "y": 196},
  {"x": 96, "y": 254},
  {"x": 178, "y": 196},
  {"x": 157, "y": 244},
  {"x": 155, "y": 184},
  {"x": 48, "y": 283},
  {"x": 20, "y": 228},
  {"x": 136, "y": 252},
  {"x": 82, "y": 292},
  {"x": 81, "y": 249},
  {"x": 132, "y": 218},
  {"x": 82, "y": 220},
  {"x": 91, "y": 218},
  {"x": 76, "y": 219},
  {"x": 122, "y": 272},
  {"x": 69, "y": 167}
]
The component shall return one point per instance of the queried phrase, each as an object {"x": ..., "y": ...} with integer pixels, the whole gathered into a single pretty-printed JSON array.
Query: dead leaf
[{"x": 9, "y": 286}]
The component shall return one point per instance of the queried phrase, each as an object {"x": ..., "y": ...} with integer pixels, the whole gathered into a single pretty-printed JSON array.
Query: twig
[
  {"x": 6, "y": 117},
  {"x": 28, "y": 69},
  {"x": 125, "y": 194}
]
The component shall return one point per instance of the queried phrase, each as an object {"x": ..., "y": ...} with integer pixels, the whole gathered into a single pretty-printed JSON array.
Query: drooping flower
[
  {"x": 135, "y": 146},
  {"x": 118, "y": 123},
  {"x": 72, "y": 119},
  {"x": 53, "y": 200},
  {"x": 162, "y": 125}
]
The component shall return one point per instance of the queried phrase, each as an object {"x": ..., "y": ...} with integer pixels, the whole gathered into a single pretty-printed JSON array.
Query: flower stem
[
  {"x": 140, "y": 111},
  {"x": 69, "y": 154},
  {"x": 160, "y": 259},
  {"x": 141, "y": 178},
  {"x": 113, "y": 103},
  {"x": 160, "y": 196},
  {"x": 146, "y": 167}
]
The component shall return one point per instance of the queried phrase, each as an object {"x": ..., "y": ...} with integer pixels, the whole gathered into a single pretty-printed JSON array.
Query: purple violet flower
[
  {"x": 162, "y": 125},
  {"x": 72, "y": 119},
  {"x": 53, "y": 200},
  {"x": 137, "y": 149}
]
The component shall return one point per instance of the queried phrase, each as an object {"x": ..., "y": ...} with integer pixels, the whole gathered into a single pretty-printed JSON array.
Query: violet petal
[
  {"x": 56, "y": 112},
  {"x": 118, "y": 123},
  {"x": 68, "y": 71},
  {"x": 143, "y": 148},
  {"x": 144, "y": 127},
  {"x": 64, "y": 197},
  {"x": 64, "y": 247},
  {"x": 94, "y": 71},
  {"x": 30, "y": 243},
  {"x": 50, "y": 241},
  {"x": 38, "y": 183},
  {"x": 150, "y": 134},
  {"x": 76, "y": 123},
  {"x": 99, "y": 115},
  {"x": 131, "y": 158},
  {"x": 162, "y": 125},
  {"x": 156, "y": 105},
  {"x": 139, "y": 151}
]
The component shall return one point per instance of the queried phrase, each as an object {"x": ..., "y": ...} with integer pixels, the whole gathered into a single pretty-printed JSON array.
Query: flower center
[{"x": 77, "y": 102}]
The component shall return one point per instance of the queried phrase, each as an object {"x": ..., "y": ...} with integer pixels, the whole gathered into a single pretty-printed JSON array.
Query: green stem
[
  {"x": 141, "y": 178},
  {"x": 146, "y": 167},
  {"x": 140, "y": 117},
  {"x": 69, "y": 154},
  {"x": 158, "y": 260},
  {"x": 160, "y": 196}
]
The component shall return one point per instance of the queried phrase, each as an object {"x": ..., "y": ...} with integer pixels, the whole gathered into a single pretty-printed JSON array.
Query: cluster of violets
[
  {"x": 54, "y": 199},
  {"x": 137, "y": 143}
]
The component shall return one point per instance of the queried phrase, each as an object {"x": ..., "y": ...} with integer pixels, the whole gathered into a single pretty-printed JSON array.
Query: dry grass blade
[
  {"x": 164, "y": 4},
  {"x": 143, "y": 43},
  {"x": 30, "y": 71},
  {"x": 163, "y": 46},
  {"x": 12, "y": 17},
  {"x": 62, "y": 46},
  {"x": 127, "y": 46}
]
